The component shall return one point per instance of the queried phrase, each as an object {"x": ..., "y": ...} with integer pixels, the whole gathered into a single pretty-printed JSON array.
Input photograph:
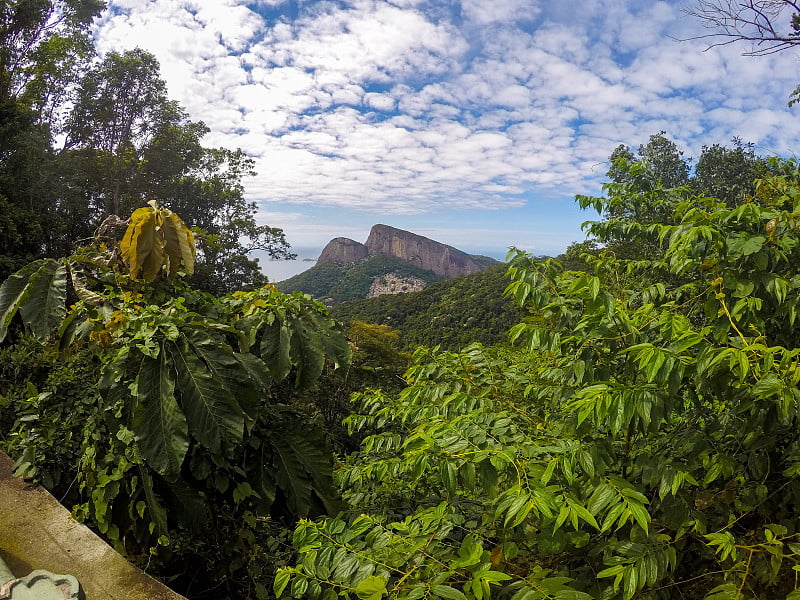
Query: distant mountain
[{"x": 391, "y": 261}]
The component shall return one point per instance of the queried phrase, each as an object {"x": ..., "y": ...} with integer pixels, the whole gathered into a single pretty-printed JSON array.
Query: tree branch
[{"x": 762, "y": 23}]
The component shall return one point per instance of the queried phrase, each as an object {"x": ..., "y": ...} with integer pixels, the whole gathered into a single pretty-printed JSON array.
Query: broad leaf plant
[
  {"x": 641, "y": 440},
  {"x": 187, "y": 422}
]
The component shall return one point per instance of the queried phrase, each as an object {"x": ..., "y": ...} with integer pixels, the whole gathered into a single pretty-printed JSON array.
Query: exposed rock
[
  {"x": 391, "y": 283},
  {"x": 420, "y": 251},
  {"x": 441, "y": 259},
  {"x": 343, "y": 251}
]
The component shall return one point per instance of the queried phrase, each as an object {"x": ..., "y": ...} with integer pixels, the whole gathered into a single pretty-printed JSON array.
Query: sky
[{"x": 472, "y": 122}]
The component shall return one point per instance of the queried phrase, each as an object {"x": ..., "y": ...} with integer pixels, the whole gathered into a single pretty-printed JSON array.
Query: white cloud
[
  {"x": 483, "y": 13},
  {"x": 407, "y": 106}
]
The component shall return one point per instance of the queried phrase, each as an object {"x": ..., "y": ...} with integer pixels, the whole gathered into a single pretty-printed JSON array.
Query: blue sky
[{"x": 474, "y": 122}]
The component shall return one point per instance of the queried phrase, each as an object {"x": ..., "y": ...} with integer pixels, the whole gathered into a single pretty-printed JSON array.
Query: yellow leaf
[
  {"x": 179, "y": 243},
  {"x": 157, "y": 237},
  {"x": 496, "y": 556},
  {"x": 139, "y": 240}
]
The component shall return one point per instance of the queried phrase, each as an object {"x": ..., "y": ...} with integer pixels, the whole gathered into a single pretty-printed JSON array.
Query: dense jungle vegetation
[
  {"x": 83, "y": 138},
  {"x": 636, "y": 436},
  {"x": 449, "y": 314}
]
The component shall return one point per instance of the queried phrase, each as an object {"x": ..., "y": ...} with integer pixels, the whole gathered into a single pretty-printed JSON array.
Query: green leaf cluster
[
  {"x": 189, "y": 423},
  {"x": 640, "y": 442}
]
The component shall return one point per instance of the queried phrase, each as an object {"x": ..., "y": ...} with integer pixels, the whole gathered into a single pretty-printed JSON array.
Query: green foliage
[
  {"x": 575, "y": 258},
  {"x": 184, "y": 423},
  {"x": 645, "y": 190},
  {"x": 24, "y": 158},
  {"x": 127, "y": 142},
  {"x": 728, "y": 174},
  {"x": 376, "y": 346},
  {"x": 38, "y": 292},
  {"x": 642, "y": 442},
  {"x": 124, "y": 142},
  {"x": 45, "y": 406},
  {"x": 42, "y": 45},
  {"x": 449, "y": 313},
  {"x": 335, "y": 283}
]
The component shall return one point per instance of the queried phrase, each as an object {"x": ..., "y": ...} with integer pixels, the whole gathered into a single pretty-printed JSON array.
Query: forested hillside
[
  {"x": 334, "y": 283},
  {"x": 641, "y": 442},
  {"x": 449, "y": 313}
]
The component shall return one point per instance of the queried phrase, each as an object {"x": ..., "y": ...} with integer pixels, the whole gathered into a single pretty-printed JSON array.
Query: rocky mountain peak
[
  {"x": 343, "y": 250},
  {"x": 420, "y": 251},
  {"x": 425, "y": 253}
]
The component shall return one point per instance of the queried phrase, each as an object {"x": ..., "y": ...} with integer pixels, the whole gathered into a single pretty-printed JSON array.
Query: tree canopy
[
  {"x": 121, "y": 142},
  {"x": 640, "y": 443}
]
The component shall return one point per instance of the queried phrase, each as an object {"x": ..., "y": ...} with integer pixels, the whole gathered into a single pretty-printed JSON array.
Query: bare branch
[{"x": 768, "y": 25}]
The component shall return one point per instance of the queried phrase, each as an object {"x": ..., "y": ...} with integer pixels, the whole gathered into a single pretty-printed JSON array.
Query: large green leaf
[
  {"x": 11, "y": 293},
  {"x": 334, "y": 341},
  {"x": 262, "y": 475},
  {"x": 306, "y": 350},
  {"x": 275, "y": 343},
  {"x": 225, "y": 367},
  {"x": 212, "y": 413},
  {"x": 253, "y": 389},
  {"x": 291, "y": 475},
  {"x": 374, "y": 588},
  {"x": 42, "y": 306},
  {"x": 159, "y": 424},
  {"x": 158, "y": 515},
  {"x": 75, "y": 327},
  {"x": 304, "y": 464}
]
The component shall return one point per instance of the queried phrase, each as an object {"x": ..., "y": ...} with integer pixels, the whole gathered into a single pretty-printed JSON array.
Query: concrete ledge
[{"x": 36, "y": 532}]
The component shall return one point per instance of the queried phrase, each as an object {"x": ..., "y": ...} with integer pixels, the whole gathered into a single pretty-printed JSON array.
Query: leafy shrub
[
  {"x": 644, "y": 442},
  {"x": 179, "y": 424}
]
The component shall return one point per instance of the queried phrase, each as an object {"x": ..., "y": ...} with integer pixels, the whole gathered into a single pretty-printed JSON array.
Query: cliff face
[
  {"x": 343, "y": 251},
  {"x": 392, "y": 261},
  {"x": 395, "y": 284},
  {"x": 441, "y": 259},
  {"x": 420, "y": 251}
]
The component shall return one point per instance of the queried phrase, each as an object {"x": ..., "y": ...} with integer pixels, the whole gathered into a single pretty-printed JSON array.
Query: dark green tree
[
  {"x": 661, "y": 156},
  {"x": 646, "y": 189},
  {"x": 642, "y": 191},
  {"x": 665, "y": 160},
  {"x": 576, "y": 255},
  {"x": 127, "y": 141},
  {"x": 728, "y": 174},
  {"x": 24, "y": 159},
  {"x": 43, "y": 46}
]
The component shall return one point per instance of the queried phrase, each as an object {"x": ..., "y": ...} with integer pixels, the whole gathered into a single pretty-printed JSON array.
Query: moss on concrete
[{"x": 36, "y": 532}]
